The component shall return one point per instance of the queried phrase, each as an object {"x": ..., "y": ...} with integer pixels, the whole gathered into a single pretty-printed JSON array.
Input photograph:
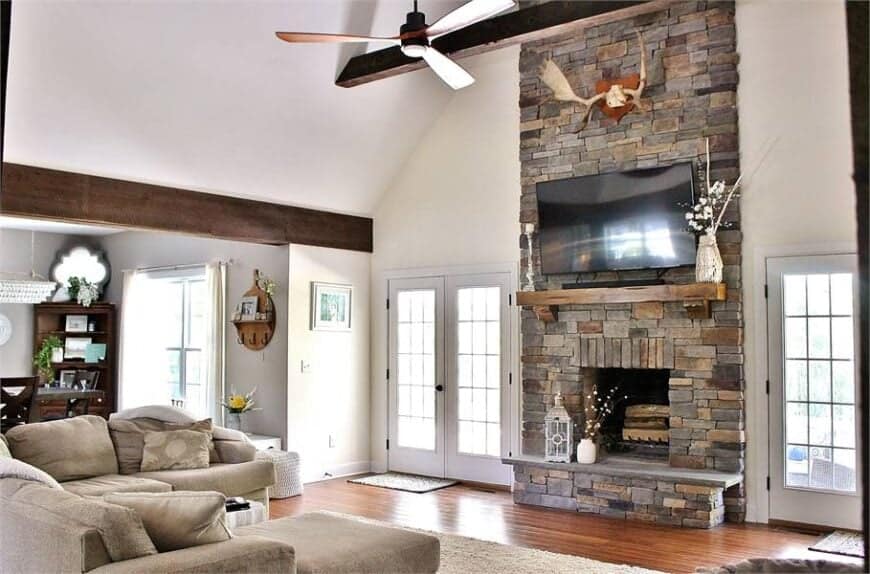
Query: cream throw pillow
[
  {"x": 176, "y": 520},
  {"x": 128, "y": 435},
  {"x": 12, "y": 468},
  {"x": 175, "y": 450}
]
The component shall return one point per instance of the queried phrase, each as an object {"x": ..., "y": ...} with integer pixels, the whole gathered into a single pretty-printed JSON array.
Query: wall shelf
[{"x": 696, "y": 297}]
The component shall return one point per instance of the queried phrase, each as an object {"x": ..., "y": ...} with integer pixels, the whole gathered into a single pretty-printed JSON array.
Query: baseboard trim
[
  {"x": 805, "y": 526},
  {"x": 342, "y": 470}
]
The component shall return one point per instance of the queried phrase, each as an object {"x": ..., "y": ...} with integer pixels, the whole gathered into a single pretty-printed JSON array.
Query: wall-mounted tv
[{"x": 616, "y": 221}]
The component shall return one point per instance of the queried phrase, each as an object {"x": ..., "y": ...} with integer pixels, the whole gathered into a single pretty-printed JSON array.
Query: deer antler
[
  {"x": 562, "y": 90},
  {"x": 642, "y": 84}
]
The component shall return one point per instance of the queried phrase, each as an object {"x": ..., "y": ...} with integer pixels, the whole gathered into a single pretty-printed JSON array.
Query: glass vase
[
  {"x": 708, "y": 262},
  {"x": 234, "y": 421}
]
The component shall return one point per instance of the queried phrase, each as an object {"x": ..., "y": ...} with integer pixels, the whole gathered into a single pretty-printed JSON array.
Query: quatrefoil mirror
[{"x": 82, "y": 261}]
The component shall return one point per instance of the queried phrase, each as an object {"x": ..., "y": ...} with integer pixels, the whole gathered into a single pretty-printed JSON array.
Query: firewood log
[
  {"x": 645, "y": 435},
  {"x": 645, "y": 411}
]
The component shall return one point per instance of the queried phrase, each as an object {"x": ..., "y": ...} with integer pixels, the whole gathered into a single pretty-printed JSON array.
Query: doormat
[
  {"x": 841, "y": 542},
  {"x": 406, "y": 482}
]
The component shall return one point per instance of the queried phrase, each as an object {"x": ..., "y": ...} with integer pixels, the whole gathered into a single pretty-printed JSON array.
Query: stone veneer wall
[{"x": 691, "y": 95}]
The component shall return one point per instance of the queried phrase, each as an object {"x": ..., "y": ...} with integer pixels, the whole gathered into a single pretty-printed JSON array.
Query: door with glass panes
[
  {"x": 812, "y": 334},
  {"x": 449, "y": 399}
]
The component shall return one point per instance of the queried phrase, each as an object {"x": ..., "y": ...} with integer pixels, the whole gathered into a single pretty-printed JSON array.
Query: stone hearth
[{"x": 690, "y": 96}]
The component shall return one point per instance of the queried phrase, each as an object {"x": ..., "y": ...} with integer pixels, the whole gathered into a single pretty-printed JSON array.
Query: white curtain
[
  {"x": 215, "y": 343},
  {"x": 144, "y": 364}
]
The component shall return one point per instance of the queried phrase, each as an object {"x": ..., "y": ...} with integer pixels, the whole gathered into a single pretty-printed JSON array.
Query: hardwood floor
[{"x": 492, "y": 515}]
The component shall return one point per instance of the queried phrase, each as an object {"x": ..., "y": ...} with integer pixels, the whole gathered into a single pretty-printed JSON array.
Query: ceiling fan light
[{"x": 414, "y": 50}]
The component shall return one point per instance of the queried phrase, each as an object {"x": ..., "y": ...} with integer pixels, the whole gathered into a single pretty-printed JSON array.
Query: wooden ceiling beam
[
  {"x": 524, "y": 25},
  {"x": 40, "y": 193}
]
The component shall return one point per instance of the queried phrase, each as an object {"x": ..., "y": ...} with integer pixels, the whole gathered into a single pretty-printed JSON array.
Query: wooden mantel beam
[
  {"x": 41, "y": 193},
  {"x": 524, "y": 25}
]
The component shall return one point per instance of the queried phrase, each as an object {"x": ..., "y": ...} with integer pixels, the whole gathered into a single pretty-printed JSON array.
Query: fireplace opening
[{"x": 638, "y": 426}]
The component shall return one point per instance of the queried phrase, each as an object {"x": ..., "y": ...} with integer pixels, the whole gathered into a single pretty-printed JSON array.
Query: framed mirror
[{"x": 82, "y": 261}]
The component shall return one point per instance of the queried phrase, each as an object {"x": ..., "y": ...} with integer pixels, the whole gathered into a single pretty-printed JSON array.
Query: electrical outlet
[
  {"x": 305, "y": 366},
  {"x": 331, "y": 441}
]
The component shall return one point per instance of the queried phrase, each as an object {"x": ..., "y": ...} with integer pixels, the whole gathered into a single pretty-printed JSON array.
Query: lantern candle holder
[{"x": 557, "y": 432}]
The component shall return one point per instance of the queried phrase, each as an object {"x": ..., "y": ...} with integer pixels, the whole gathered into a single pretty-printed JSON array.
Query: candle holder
[{"x": 529, "y": 284}]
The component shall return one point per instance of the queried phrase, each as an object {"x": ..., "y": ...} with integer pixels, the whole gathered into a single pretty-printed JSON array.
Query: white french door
[
  {"x": 449, "y": 395},
  {"x": 814, "y": 448}
]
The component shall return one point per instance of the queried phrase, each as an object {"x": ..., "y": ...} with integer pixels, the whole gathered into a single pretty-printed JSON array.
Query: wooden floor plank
[{"x": 492, "y": 515}]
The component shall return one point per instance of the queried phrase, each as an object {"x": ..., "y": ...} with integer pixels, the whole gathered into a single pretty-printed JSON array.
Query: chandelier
[{"x": 24, "y": 289}]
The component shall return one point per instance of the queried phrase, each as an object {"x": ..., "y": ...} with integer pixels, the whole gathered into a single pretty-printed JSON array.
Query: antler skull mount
[{"x": 615, "y": 98}]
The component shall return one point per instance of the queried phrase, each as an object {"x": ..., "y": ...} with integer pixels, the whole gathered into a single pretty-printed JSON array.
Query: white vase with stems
[
  {"x": 705, "y": 219},
  {"x": 587, "y": 451},
  {"x": 708, "y": 262}
]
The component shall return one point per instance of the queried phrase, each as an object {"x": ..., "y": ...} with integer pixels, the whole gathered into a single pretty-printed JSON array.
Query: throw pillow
[
  {"x": 12, "y": 468},
  {"x": 128, "y": 435},
  {"x": 181, "y": 519},
  {"x": 175, "y": 450}
]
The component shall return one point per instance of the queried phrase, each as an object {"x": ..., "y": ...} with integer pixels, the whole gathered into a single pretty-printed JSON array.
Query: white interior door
[
  {"x": 449, "y": 376},
  {"x": 814, "y": 448},
  {"x": 478, "y": 371},
  {"x": 416, "y": 376}
]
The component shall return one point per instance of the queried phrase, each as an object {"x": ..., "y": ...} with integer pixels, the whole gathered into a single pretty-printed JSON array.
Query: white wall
[
  {"x": 794, "y": 86},
  {"x": 332, "y": 398},
  {"x": 266, "y": 369},
  {"x": 456, "y": 201},
  {"x": 16, "y": 356}
]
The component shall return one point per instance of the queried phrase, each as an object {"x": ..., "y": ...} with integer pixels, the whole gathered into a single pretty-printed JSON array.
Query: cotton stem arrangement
[
  {"x": 597, "y": 408},
  {"x": 705, "y": 215}
]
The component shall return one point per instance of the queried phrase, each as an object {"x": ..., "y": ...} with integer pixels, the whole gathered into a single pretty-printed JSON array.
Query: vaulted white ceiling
[{"x": 201, "y": 95}]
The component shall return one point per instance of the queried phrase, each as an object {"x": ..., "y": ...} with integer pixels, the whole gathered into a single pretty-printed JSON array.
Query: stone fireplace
[{"x": 672, "y": 355}]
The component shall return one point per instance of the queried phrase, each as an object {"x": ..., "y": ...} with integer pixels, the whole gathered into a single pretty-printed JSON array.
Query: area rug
[
  {"x": 841, "y": 542},
  {"x": 406, "y": 482},
  {"x": 463, "y": 555}
]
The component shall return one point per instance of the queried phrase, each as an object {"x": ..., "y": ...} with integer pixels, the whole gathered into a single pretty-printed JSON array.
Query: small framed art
[
  {"x": 76, "y": 324},
  {"x": 75, "y": 347},
  {"x": 331, "y": 306}
]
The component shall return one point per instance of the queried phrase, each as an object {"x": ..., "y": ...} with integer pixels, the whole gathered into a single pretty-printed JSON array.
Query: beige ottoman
[{"x": 327, "y": 543}]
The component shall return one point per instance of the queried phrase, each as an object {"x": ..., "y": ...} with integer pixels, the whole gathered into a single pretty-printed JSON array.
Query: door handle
[{"x": 439, "y": 388}]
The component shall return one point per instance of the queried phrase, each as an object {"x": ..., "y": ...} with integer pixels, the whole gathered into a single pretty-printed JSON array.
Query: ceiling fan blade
[
  {"x": 468, "y": 14},
  {"x": 448, "y": 70},
  {"x": 307, "y": 37}
]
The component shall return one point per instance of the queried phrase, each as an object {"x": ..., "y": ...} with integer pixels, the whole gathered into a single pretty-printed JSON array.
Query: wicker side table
[{"x": 288, "y": 480}]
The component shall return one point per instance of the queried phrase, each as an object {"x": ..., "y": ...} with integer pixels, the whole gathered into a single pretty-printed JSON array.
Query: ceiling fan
[{"x": 415, "y": 36}]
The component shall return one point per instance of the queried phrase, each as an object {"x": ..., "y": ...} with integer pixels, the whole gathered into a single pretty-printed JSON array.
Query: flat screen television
[{"x": 616, "y": 221}]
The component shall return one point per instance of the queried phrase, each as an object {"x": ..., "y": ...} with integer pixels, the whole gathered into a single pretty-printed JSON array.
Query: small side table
[
  {"x": 264, "y": 442},
  {"x": 253, "y": 515}
]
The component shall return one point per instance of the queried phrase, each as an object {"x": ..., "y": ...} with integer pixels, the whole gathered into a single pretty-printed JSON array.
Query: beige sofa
[{"x": 80, "y": 454}]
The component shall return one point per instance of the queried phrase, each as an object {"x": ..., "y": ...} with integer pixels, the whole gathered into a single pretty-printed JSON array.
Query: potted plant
[
  {"x": 236, "y": 406},
  {"x": 42, "y": 358},
  {"x": 83, "y": 291},
  {"x": 596, "y": 409}
]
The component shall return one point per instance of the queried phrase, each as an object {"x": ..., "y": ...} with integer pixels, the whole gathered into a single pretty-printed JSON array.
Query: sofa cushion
[
  {"x": 175, "y": 450},
  {"x": 329, "y": 543},
  {"x": 120, "y": 528},
  {"x": 128, "y": 436},
  {"x": 12, "y": 468},
  {"x": 230, "y": 479},
  {"x": 112, "y": 483},
  {"x": 176, "y": 520},
  {"x": 67, "y": 449}
]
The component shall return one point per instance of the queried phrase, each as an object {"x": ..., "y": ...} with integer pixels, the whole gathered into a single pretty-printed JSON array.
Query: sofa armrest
[
  {"x": 243, "y": 554},
  {"x": 35, "y": 540},
  {"x": 235, "y": 451}
]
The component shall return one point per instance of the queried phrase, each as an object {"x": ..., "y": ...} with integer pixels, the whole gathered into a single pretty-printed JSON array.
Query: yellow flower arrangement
[{"x": 237, "y": 403}]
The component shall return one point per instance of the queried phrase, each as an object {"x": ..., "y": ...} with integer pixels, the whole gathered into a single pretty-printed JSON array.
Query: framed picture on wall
[
  {"x": 330, "y": 306},
  {"x": 248, "y": 308}
]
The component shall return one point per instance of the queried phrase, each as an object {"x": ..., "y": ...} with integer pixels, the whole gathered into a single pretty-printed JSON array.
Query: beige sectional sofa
[
  {"x": 81, "y": 455},
  {"x": 70, "y": 525}
]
